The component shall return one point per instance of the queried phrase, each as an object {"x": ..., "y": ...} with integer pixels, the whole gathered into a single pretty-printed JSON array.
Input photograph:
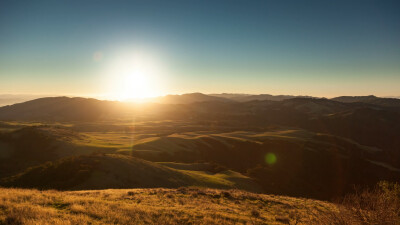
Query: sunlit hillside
[{"x": 156, "y": 206}]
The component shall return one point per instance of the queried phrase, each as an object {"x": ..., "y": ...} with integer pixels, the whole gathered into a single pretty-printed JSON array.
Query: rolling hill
[
  {"x": 307, "y": 164},
  {"x": 10, "y": 99},
  {"x": 57, "y": 109},
  {"x": 104, "y": 171},
  {"x": 33, "y": 145},
  {"x": 322, "y": 147}
]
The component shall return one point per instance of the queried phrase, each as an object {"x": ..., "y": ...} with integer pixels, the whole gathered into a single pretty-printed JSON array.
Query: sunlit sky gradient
[{"x": 320, "y": 48}]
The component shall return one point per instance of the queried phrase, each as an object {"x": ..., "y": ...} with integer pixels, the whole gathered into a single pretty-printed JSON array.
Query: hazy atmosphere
[
  {"x": 137, "y": 49},
  {"x": 197, "y": 112}
]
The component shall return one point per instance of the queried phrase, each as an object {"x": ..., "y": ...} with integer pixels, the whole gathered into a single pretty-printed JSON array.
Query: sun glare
[{"x": 135, "y": 77}]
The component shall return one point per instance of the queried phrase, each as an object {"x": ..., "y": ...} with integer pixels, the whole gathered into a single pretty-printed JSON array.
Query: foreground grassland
[{"x": 156, "y": 206}]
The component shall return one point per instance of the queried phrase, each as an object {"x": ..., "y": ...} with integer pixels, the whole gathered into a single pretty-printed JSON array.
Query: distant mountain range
[
  {"x": 260, "y": 97},
  {"x": 189, "y": 98},
  {"x": 82, "y": 109},
  {"x": 369, "y": 119},
  {"x": 226, "y": 97},
  {"x": 10, "y": 99},
  {"x": 389, "y": 102}
]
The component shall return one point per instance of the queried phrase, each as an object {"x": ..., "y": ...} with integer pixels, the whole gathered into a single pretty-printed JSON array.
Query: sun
[
  {"x": 135, "y": 77},
  {"x": 135, "y": 84}
]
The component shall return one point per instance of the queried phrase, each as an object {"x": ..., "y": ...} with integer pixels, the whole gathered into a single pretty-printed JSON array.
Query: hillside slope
[
  {"x": 58, "y": 109},
  {"x": 305, "y": 163},
  {"x": 155, "y": 206},
  {"x": 119, "y": 171},
  {"x": 33, "y": 145}
]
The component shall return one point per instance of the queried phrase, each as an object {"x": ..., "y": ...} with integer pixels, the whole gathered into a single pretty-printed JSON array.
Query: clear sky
[{"x": 109, "y": 47}]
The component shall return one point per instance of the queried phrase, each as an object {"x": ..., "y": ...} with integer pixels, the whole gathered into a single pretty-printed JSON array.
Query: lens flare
[
  {"x": 97, "y": 56},
  {"x": 270, "y": 158}
]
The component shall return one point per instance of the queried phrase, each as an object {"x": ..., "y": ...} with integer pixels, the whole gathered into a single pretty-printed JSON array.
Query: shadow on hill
[
  {"x": 309, "y": 165},
  {"x": 103, "y": 171},
  {"x": 33, "y": 145}
]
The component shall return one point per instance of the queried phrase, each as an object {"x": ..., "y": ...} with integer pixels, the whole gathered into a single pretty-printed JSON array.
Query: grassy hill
[
  {"x": 305, "y": 163},
  {"x": 57, "y": 108},
  {"x": 156, "y": 206},
  {"x": 121, "y": 171},
  {"x": 33, "y": 145}
]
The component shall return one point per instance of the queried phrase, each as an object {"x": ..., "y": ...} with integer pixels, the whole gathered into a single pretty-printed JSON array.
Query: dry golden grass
[
  {"x": 155, "y": 206},
  {"x": 380, "y": 205}
]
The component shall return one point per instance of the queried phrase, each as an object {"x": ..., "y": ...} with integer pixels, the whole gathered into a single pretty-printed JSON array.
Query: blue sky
[{"x": 320, "y": 48}]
